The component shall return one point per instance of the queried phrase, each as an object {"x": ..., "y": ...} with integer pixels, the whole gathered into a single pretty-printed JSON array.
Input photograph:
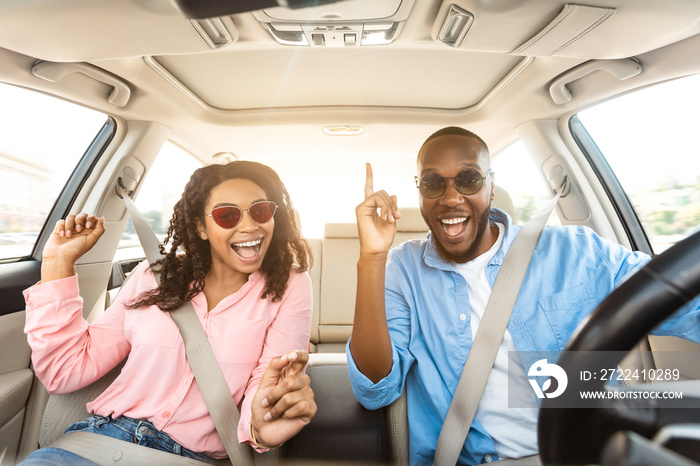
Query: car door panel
[
  {"x": 14, "y": 278},
  {"x": 10, "y": 435},
  {"x": 15, "y": 375},
  {"x": 120, "y": 272}
]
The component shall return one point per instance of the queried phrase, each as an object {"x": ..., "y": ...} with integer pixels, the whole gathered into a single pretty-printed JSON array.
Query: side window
[
  {"x": 649, "y": 140},
  {"x": 162, "y": 188},
  {"x": 42, "y": 139},
  {"x": 517, "y": 174}
]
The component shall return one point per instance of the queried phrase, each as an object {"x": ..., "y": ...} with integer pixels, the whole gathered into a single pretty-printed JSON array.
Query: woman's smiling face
[{"x": 242, "y": 248}]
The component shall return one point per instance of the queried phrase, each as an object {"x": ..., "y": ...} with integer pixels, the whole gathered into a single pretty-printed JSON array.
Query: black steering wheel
[{"x": 577, "y": 435}]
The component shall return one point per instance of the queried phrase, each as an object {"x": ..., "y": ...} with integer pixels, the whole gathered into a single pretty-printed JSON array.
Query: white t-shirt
[{"x": 512, "y": 429}]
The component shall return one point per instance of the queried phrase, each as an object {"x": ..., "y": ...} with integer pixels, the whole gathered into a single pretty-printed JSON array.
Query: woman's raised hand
[
  {"x": 376, "y": 219},
  {"x": 70, "y": 239}
]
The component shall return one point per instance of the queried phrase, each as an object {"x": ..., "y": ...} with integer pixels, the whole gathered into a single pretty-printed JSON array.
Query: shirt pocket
[
  {"x": 566, "y": 309},
  {"x": 147, "y": 327},
  {"x": 239, "y": 341}
]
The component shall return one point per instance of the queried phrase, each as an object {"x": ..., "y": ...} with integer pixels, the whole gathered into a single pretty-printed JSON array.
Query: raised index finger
[{"x": 369, "y": 181}]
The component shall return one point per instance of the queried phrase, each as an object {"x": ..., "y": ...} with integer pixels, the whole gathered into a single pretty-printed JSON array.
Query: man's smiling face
[{"x": 459, "y": 222}]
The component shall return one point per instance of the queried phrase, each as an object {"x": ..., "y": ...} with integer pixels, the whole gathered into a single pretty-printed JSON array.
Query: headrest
[
  {"x": 340, "y": 230},
  {"x": 411, "y": 220},
  {"x": 503, "y": 201}
]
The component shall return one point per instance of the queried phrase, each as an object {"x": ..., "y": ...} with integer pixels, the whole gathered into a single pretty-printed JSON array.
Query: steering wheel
[{"x": 577, "y": 435}]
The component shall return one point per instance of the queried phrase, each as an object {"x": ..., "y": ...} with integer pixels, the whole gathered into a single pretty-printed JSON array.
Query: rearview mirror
[{"x": 199, "y": 9}]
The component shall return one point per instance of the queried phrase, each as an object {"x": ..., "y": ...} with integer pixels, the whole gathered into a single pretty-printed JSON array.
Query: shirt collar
[
  {"x": 432, "y": 258},
  {"x": 256, "y": 281}
]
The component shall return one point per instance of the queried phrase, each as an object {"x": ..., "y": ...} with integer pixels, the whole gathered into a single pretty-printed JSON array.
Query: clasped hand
[{"x": 284, "y": 402}]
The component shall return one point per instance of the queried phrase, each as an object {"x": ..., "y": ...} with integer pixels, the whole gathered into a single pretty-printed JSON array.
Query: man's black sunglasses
[{"x": 467, "y": 182}]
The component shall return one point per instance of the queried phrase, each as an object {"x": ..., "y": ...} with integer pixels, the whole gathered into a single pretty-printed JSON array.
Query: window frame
[{"x": 634, "y": 230}]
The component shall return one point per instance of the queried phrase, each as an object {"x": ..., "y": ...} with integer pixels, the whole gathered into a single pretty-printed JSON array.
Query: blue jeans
[{"x": 122, "y": 428}]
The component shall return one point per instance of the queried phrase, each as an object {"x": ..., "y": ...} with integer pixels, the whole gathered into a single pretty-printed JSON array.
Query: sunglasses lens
[
  {"x": 468, "y": 181},
  {"x": 262, "y": 212},
  {"x": 226, "y": 217},
  {"x": 432, "y": 185}
]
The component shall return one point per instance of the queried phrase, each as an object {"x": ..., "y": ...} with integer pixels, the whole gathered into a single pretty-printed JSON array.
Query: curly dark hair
[{"x": 182, "y": 275}]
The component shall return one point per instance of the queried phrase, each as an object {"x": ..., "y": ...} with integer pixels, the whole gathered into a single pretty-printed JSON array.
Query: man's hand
[
  {"x": 284, "y": 402},
  {"x": 376, "y": 219},
  {"x": 376, "y": 223}
]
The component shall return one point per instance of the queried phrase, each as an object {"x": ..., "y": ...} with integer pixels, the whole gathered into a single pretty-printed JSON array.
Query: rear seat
[
  {"x": 315, "y": 273},
  {"x": 340, "y": 250}
]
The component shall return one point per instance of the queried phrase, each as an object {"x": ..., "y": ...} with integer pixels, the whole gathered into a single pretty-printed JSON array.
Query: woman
[{"x": 233, "y": 242}]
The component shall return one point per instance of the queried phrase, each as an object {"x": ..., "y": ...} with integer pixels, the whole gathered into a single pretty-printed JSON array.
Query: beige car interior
[{"x": 507, "y": 70}]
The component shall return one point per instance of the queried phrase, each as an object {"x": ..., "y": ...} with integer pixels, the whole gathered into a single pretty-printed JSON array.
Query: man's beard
[{"x": 473, "y": 250}]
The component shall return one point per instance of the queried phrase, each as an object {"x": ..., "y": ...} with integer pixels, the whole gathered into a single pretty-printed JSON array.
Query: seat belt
[
  {"x": 207, "y": 373},
  {"x": 109, "y": 451},
  {"x": 488, "y": 339}
]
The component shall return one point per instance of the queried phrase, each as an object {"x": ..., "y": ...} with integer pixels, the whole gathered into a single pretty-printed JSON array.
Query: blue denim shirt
[{"x": 571, "y": 271}]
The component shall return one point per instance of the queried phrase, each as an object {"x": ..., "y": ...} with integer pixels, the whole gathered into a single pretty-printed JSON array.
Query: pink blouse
[{"x": 156, "y": 382}]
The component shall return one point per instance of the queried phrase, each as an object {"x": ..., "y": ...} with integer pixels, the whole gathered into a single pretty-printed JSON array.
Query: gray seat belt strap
[
  {"x": 109, "y": 451},
  {"x": 207, "y": 373},
  {"x": 212, "y": 384},
  {"x": 149, "y": 241},
  {"x": 488, "y": 339}
]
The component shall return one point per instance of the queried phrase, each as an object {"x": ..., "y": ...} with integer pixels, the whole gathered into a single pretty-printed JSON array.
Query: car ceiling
[{"x": 261, "y": 100}]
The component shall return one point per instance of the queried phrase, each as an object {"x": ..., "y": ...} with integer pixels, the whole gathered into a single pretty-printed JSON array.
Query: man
[{"x": 418, "y": 308}]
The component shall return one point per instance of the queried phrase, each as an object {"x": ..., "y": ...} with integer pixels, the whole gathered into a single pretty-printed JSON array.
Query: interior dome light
[{"x": 343, "y": 130}]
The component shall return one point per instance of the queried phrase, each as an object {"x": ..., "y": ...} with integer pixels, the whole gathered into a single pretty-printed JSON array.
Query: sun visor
[{"x": 573, "y": 23}]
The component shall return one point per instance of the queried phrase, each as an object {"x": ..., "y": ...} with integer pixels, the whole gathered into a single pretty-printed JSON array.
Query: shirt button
[
  {"x": 186, "y": 382},
  {"x": 462, "y": 317},
  {"x": 488, "y": 458},
  {"x": 166, "y": 414},
  {"x": 29, "y": 303}
]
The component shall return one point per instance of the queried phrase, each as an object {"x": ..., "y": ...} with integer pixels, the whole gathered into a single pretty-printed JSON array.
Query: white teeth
[
  {"x": 452, "y": 221},
  {"x": 248, "y": 244}
]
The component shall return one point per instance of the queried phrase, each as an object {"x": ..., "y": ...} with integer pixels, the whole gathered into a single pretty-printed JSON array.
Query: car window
[
  {"x": 649, "y": 140},
  {"x": 161, "y": 189},
  {"x": 515, "y": 172},
  {"x": 41, "y": 141}
]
